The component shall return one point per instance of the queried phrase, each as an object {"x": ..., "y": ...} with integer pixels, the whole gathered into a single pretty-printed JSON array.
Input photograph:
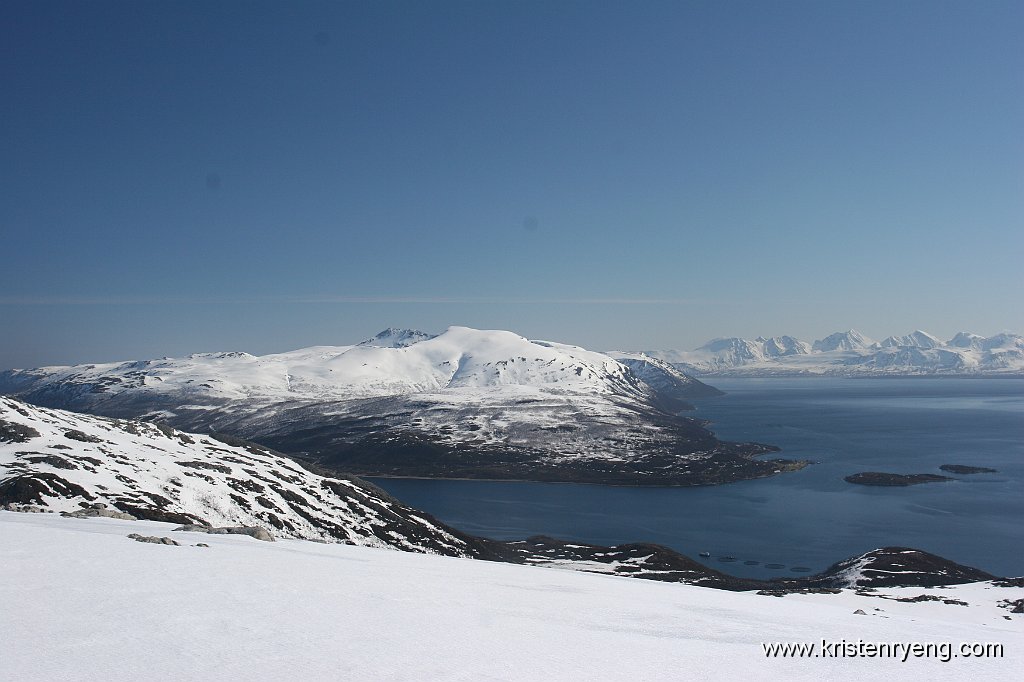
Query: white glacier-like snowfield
[{"x": 81, "y": 601}]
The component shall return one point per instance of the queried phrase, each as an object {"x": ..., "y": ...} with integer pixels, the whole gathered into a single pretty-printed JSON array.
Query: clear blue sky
[{"x": 199, "y": 176}]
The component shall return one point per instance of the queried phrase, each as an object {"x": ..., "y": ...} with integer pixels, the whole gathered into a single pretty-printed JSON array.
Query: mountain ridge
[{"x": 851, "y": 353}]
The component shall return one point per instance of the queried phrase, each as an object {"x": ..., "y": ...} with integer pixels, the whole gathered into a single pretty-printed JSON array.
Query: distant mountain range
[
  {"x": 848, "y": 353},
  {"x": 466, "y": 403}
]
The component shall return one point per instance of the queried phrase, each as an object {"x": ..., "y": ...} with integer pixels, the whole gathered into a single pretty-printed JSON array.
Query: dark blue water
[{"x": 810, "y": 518}]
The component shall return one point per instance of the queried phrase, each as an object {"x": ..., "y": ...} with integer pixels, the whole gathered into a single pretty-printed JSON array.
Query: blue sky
[{"x": 197, "y": 176}]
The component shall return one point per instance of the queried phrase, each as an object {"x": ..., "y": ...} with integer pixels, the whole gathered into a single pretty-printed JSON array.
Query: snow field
[{"x": 84, "y": 602}]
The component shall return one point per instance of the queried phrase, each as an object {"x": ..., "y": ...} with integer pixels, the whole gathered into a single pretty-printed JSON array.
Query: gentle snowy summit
[{"x": 966, "y": 340}]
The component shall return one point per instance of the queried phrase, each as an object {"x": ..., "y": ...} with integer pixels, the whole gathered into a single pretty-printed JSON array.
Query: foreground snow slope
[{"x": 81, "y": 601}]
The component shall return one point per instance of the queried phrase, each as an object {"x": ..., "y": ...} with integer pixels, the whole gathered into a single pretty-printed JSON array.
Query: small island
[
  {"x": 964, "y": 469},
  {"x": 894, "y": 480}
]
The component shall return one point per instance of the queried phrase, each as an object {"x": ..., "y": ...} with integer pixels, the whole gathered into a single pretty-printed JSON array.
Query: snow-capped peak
[
  {"x": 915, "y": 339},
  {"x": 779, "y": 346},
  {"x": 965, "y": 340},
  {"x": 734, "y": 346},
  {"x": 847, "y": 341},
  {"x": 394, "y": 337}
]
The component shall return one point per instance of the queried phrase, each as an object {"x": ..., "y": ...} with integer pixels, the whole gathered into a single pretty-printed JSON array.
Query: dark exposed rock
[
  {"x": 886, "y": 567},
  {"x": 129, "y": 427},
  {"x": 25, "y": 508},
  {"x": 94, "y": 513},
  {"x": 804, "y": 590},
  {"x": 52, "y": 460},
  {"x": 252, "y": 531},
  {"x": 1013, "y": 605},
  {"x": 879, "y": 478},
  {"x": 193, "y": 528},
  {"x": 13, "y": 432},
  {"x": 32, "y": 488},
  {"x": 154, "y": 539},
  {"x": 151, "y": 514},
  {"x": 244, "y": 485},
  {"x": 900, "y": 567},
  {"x": 75, "y": 434},
  {"x": 196, "y": 474},
  {"x": 964, "y": 469},
  {"x": 211, "y": 466},
  {"x": 240, "y": 501},
  {"x": 265, "y": 503},
  {"x": 914, "y": 600},
  {"x": 165, "y": 429}
]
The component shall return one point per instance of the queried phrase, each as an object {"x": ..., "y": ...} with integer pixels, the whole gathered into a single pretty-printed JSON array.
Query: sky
[{"x": 262, "y": 176}]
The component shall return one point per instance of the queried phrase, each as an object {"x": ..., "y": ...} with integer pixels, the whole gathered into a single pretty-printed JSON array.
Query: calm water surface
[{"x": 810, "y": 518}]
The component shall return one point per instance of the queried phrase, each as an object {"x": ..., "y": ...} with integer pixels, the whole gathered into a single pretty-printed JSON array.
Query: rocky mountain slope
[
  {"x": 69, "y": 462},
  {"x": 465, "y": 403},
  {"x": 673, "y": 389},
  {"x": 851, "y": 353}
]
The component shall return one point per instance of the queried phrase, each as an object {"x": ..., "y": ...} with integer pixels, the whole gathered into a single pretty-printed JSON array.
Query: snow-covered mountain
[
  {"x": 966, "y": 340},
  {"x": 915, "y": 339},
  {"x": 65, "y": 461},
  {"x": 673, "y": 388},
  {"x": 465, "y": 403},
  {"x": 850, "y": 353},
  {"x": 848, "y": 340},
  {"x": 780, "y": 346}
]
